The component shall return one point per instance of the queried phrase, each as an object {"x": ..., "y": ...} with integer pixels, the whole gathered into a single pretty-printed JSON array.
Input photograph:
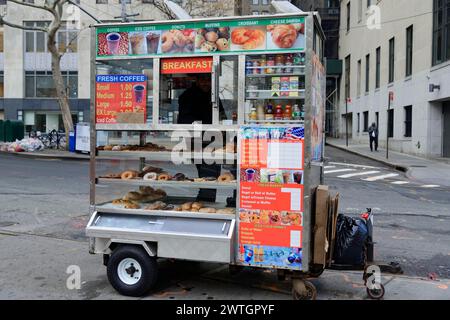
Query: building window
[
  {"x": 367, "y": 72},
  {"x": 36, "y": 41},
  {"x": 106, "y": 1},
  {"x": 441, "y": 31},
  {"x": 377, "y": 68},
  {"x": 390, "y": 128},
  {"x": 255, "y": 2},
  {"x": 358, "y": 126},
  {"x": 369, "y": 3},
  {"x": 358, "y": 79},
  {"x": 408, "y": 121},
  {"x": 348, "y": 16},
  {"x": 377, "y": 119},
  {"x": 255, "y": 13},
  {"x": 40, "y": 84},
  {"x": 366, "y": 121},
  {"x": 360, "y": 10},
  {"x": 409, "y": 50},
  {"x": 2, "y": 79},
  {"x": 265, "y": 2},
  {"x": 391, "y": 60},
  {"x": 347, "y": 77}
]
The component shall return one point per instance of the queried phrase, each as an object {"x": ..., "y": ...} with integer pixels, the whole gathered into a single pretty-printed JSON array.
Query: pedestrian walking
[{"x": 373, "y": 135}]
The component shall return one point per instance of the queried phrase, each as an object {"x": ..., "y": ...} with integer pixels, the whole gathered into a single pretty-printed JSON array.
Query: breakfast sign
[
  {"x": 212, "y": 37},
  {"x": 271, "y": 197},
  {"x": 120, "y": 98}
]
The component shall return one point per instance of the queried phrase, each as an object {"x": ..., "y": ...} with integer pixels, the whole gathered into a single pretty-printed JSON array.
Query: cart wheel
[
  {"x": 310, "y": 292},
  {"x": 376, "y": 294},
  {"x": 131, "y": 271}
]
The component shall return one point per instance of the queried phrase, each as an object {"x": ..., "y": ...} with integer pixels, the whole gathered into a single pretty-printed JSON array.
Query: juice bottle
[
  {"x": 278, "y": 113},
  {"x": 270, "y": 63},
  {"x": 287, "y": 113},
  {"x": 269, "y": 112},
  {"x": 260, "y": 112},
  {"x": 253, "y": 114}
]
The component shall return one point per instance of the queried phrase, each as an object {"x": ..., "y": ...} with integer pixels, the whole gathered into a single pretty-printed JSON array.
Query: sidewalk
[
  {"x": 51, "y": 154},
  {"x": 419, "y": 169}
]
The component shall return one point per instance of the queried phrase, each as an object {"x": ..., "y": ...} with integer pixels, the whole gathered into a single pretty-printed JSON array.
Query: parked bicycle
[{"x": 52, "y": 140}]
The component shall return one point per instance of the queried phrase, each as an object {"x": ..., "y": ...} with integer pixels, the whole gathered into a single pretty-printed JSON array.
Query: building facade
[
  {"x": 26, "y": 86},
  {"x": 396, "y": 56},
  {"x": 329, "y": 11}
]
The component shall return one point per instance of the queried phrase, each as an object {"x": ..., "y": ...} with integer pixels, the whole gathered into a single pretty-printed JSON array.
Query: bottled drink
[
  {"x": 260, "y": 112},
  {"x": 288, "y": 64},
  {"x": 287, "y": 113},
  {"x": 296, "y": 113},
  {"x": 269, "y": 112},
  {"x": 279, "y": 62},
  {"x": 253, "y": 114},
  {"x": 278, "y": 113},
  {"x": 262, "y": 63},
  {"x": 270, "y": 63},
  {"x": 234, "y": 116}
]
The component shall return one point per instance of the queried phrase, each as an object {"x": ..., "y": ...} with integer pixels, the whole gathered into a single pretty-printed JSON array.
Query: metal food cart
[{"x": 251, "y": 204}]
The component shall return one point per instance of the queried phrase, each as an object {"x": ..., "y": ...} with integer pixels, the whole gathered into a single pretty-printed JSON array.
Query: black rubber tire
[
  {"x": 310, "y": 294},
  {"x": 376, "y": 294},
  {"x": 149, "y": 270}
]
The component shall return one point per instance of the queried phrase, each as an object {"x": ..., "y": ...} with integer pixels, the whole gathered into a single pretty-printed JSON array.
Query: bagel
[
  {"x": 164, "y": 177},
  {"x": 150, "y": 176},
  {"x": 129, "y": 174},
  {"x": 226, "y": 177}
]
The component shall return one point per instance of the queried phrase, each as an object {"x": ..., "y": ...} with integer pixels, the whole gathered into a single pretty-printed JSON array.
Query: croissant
[
  {"x": 284, "y": 35},
  {"x": 257, "y": 38},
  {"x": 240, "y": 36}
]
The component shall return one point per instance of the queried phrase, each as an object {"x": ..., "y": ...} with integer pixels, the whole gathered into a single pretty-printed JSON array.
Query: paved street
[{"x": 44, "y": 205}]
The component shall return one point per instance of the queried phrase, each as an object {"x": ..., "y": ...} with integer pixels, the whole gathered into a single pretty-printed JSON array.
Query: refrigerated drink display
[{"x": 279, "y": 78}]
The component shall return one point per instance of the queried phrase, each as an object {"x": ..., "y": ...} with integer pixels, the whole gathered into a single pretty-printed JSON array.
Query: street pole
[
  {"x": 123, "y": 14},
  {"x": 346, "y": 122},
  {"x": 387, "y": 127}
]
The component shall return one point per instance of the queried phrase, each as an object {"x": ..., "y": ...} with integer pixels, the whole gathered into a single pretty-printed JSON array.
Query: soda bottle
[
  {"x": 269, "y": 112},
  {"x": 296, "y": 113},
  {"x": 278, "y": 113},
  {"x": 287, "y": 113}
]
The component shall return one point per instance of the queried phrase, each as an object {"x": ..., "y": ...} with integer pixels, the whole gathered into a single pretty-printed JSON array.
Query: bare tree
[
  {"x": 199, "y": 8},
  {"x": 55, "y": 8}
]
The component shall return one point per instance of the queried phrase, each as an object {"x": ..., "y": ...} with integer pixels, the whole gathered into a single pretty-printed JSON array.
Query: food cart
[{"x": 206, "y": 145}]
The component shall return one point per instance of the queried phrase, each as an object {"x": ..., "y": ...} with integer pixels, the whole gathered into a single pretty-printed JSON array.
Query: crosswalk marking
[
  {"x": 384, "y": 176},
  {"x": 352, "y": 165},
  {"x": 329, "y": 167},
  {"x": 430, "y": 186},
  {"x": 400, "y": 182},
  {"x": 339, "y": 170},
  {"x": 345, "y": 176}
]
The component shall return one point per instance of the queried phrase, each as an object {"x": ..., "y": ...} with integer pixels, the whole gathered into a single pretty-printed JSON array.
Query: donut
[
  {"x": 150, "y": 176},
  {"x": 129, "y": 174},
  {"x": 151, "y": 169},
  {"x": 167, "y": 41},
  {"x": 226, "y": 177},
  {"x": 163, "y": 177},
  {"x": 197, "y": 205}
]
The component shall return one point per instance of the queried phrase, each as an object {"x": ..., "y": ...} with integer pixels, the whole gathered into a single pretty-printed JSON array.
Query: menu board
[
  {"x": 212, "y": 37},
  {"x": 120, "y": 98},
  {"x": 271, "y": 196}
]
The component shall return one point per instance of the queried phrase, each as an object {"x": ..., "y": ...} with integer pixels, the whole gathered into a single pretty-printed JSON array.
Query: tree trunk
[{"x": 60, "y": 86}]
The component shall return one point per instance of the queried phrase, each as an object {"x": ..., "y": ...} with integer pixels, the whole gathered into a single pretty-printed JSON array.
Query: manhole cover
[{"x": 7, "y": 223}]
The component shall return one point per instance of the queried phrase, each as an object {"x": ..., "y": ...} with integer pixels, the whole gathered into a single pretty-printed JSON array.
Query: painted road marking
[
  {"x": 400, "y": 182},
  {"x": 430, "y": 186},
  {"x": 345, "y": 176},
  {"x": 340, "y": 170},
  {"x": 329, "y": 167},
  {"x": 384, "y": 176},
  {"x": 353, "y": 165}
]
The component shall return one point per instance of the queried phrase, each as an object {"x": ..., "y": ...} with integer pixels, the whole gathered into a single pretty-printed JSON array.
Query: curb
[
  {"x": 45, "y": 156},
  {"x": 390, "y": 164}
]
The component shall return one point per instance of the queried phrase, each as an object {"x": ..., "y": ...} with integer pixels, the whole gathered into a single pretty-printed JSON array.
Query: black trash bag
[{"x": 351, "y": 238}]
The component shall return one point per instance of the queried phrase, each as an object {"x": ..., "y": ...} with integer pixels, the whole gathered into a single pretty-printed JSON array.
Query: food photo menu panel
[{"x": 271, "y": 197}]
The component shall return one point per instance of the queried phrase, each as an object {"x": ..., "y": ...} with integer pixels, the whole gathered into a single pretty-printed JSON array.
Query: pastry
[
  {"x": 186, "y": 206},
  {"x": 111, "y": 176},
  {"x": 163, "y": 177},
  {"x": 132, "y": 195},
  {"x": 108, "y": 148},
  {"x": 118, "y": 201},
  {"x": 150, "y": 197},
  {"x": 158, "y": 205},
  {"x": 151, "y": 169},
  {"x": 160, "y": 192},
  {"x": 284, "y": 35},
  {"x": 211, "y": 36},
  {"x": 117, "y": 148},
  {"x": 222, "y": 44},
  {"x": 150, "y": 176},
  {"x": 194, "y": 210},
  {"x": 177, "y": 208},
  {"x": 146, "y": 190},
  {"x": 179, "y": 177},
  {"x": 197, "y": 205},
  {"x": 132, "y": 205},
  {"x": 257, "y": 39},
  {"x": 129, "y": 174},
  {"x": 226, "y": 177},
  {"x": 226, "y": 210},
  {"x": 275, "y": 218},
  {"x": 207, "y": 210}
]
